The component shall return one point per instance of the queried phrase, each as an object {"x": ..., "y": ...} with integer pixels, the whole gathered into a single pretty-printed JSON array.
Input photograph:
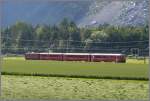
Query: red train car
[
  {"x": 108, "y": 57},
  {"x": 32, "y": 56},
  {"x": 51, "y": 56},
  {"x": 76, "y": 57},
  {"x": 99, "y": 57}
]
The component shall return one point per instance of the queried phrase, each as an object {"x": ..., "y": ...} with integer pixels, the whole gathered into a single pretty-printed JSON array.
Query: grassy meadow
[
  {"x": 17, "y": 84},
  {"x": 36, "y": 87},
  {"x": 133, "y": 70}
]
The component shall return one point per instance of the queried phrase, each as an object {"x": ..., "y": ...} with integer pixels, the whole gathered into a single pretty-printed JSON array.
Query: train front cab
[
  {"x": 118, "y": 58},
  {"x": 121, "y": 59}
]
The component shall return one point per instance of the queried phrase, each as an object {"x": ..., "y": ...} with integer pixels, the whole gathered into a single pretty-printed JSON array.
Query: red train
[{"x": 90, "y": 57}]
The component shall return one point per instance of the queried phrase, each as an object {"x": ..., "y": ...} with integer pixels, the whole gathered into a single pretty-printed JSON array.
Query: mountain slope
[
  {"x": 117, "y": 13},
  {"x": 84, "y": 13}
]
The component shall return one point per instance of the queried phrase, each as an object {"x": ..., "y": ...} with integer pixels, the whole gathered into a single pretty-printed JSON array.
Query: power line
[
  {"x": 75, "y": 41},
  {"x": 62, "y": 48},
  {"x": 114, "y": 47}
]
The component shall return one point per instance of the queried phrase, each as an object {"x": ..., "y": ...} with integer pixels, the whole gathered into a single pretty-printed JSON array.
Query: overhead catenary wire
[
  {"x": 79, "y": 46},
  {"x": 103, "y": 45},
  {"x": 136, "y": 41}
]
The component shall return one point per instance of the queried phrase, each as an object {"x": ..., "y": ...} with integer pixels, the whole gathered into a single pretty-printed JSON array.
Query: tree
[
  {"x": 84, "y": 34},
  {"x": 88, "y": 43},
  {"x": 6, "y": 40},
  {"x": 20, "y": 35},
  {"x": 43, "y": 37},
  {"x": 63, "y": 27},
  {"x": 99, "y": 36}
]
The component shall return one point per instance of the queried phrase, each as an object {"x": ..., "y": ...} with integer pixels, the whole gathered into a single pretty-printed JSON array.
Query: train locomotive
[{"x": 89, "y": 57}]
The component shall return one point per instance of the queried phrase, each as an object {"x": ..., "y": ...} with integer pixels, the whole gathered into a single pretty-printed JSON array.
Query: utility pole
[
  {"x": 68, "y": 42},
  {"x": 67, "y": 48}
]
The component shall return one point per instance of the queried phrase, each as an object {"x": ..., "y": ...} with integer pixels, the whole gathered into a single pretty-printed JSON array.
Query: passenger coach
[
  {"x": 51, "y": 56},
  {"x": 90, "y": 57},
  {"x": 76, "y": 57},
  {"x": 108, "y": 57}
]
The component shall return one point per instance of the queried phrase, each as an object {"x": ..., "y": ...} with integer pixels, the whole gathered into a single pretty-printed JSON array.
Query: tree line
[{"x": 68, "y": 37}]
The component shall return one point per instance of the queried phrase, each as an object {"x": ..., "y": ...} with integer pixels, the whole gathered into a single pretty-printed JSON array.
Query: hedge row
[{"x": 75, "y": 76}]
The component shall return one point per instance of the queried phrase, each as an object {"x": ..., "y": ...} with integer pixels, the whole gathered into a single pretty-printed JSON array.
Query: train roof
[
  {"x": 112, "y": 54},
  {"x": 93, "y": 54},
  {"x": 76, "y": 53},
  {"x": 50, "y": 53}
]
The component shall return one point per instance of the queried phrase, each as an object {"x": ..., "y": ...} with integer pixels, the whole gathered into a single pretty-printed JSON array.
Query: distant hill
[
  {"x": 123, "y": 12},
  {"x": 84, "y": 13}
]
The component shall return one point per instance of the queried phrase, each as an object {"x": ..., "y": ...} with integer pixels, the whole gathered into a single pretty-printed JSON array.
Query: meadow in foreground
[{"x": 31, "y": 87}]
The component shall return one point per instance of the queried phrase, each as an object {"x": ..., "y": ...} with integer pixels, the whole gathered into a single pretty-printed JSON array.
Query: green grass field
[
  {"x": 33, "y": 87},
  {"x": 38, "y": 87},
  {"x": 132, "y": 69}
]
